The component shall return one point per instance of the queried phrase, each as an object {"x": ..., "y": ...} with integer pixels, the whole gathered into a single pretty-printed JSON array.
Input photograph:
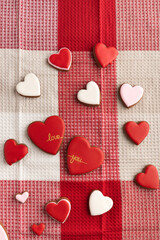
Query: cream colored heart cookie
[
  {"x": 90, "y": 95},
  {"x": 99, "y": 204},
  {"x": 30, "y": 87}
]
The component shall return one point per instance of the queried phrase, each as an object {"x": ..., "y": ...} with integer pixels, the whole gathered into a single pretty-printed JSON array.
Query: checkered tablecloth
[{"x": 30, "y": 30}]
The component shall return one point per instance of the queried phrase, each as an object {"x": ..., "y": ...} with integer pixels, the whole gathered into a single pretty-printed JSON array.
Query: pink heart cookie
[
  {"x": 131, "y": 95},
  {"x": 22, "y": 197}
]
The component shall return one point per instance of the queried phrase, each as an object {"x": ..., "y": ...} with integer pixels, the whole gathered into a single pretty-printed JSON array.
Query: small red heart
[
  {"x": 82, "y": 158},
  {"x": 104, "y": 55},
  {"x": 48, "y": 136},
  {"x": 137, "y": 132},
  {"x": 149, "y": 179},
  {"x": 62, "y": 60},
  {"x": 60, "y": 210},
  {"x": 14, "y": 152},
  {"x": 38, "y": 229}
]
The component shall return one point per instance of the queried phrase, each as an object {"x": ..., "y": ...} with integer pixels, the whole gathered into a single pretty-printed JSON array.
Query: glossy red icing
[
  {"x": 48, "y": 136},
  {"x": 38, "y": 229},
  {"x": 137, "y": 132},
  {"x": 60, "y": 210},
  {"x": 82, "y": 158},
  {"x": 149, "y": 179},
  {"x": 14, "y": 152},
  {"x": 61, "y": 60},
  {"x": 104, "y": 55}
]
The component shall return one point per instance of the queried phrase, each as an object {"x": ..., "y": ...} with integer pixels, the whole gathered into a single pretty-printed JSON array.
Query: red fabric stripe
[
  {"x": 107, "y": 15},
  {"x": 78, "y": 23},
  {"x": 140, "y": 212},
  {"x": 97, "y": 124},
  {"x": 80, "y": 225}
]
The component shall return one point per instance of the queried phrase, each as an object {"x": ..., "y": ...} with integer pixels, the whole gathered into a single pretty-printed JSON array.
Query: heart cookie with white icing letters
[
  {"x": 22, "y": 197},
  {"x": 90, "y": 95},
  {"x": 131, "y": 95},
  {"x": 99, "y": 204},
  {"x": 30, "y": 87}
]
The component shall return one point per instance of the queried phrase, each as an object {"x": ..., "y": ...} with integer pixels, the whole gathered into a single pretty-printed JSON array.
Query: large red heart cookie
[
  {"x": 14, "y": 152},
  {"x": 137, "y": 132},
  {"x": 61, "y": 60},
  {"x": 104, "y": 55},
  {"x": 59, "y": 210},
  {"x": 149, "y": 179},
  {"x": 81, "y": 158},
  {"x": 48, "y": 136},
  {"x": 38, "y": 229}
]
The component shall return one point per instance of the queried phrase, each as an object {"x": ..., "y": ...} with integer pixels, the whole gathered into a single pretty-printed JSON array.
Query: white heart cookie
[
  {"x": 30, "y": 87},
  {"x": 131, "y": 95},
  {"x": 22, "y": 197},
  {"x": 3, "y": 233},
  {"x": 91, "y": 95},
  {"x": 99, "y": 204}
]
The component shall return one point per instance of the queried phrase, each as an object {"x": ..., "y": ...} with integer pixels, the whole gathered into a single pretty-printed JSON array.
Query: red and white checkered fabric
[{"x": 30, "y": 30}]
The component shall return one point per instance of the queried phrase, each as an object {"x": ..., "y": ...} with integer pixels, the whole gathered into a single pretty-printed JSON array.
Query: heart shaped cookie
[
  {"x": 38, "y": 229},
  {"x": 81, "y": 158},
  {"x": 14, "y": 152},
  {"x": 148, "y": 179},
  {"x": 48, "y": 136},
  {"x": 131, "y": 95},
  {"x": 59, "y": 210},
  {"x": 30, "y": 87},
  {"x": 22, "y": 197},
  {"x": 3, "y": 233},
  {"x": 99, "y": 204},
  {"x": 137, "y": 132},
  {"x": 104, "y": 55},
  {"x": 61, "y": 60},
  {"x": 90, "y": 96}
]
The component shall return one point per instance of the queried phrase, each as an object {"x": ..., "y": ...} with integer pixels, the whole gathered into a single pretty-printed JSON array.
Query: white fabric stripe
[
  {"x": 139, "y": 68},
  {"x": 17, "y": 112}
]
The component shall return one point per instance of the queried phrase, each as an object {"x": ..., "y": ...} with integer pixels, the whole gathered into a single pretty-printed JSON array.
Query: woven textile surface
[{"x": 30, "y": 31}]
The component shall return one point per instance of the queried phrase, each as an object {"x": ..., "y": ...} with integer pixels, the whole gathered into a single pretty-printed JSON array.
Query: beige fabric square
[
  {"x": 17, "y": 112},
  {"x": 139, "y": 68}
]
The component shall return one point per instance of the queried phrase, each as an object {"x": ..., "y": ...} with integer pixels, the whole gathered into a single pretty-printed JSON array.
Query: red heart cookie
[
  {"x": 38, "y": 229},
  {"x": 59, "y": 210},
  {"x": 82, "y": 158},
  {"x": 62, "y": 60},
  {"x": 48, "y": 136},
  {"x": 137, "y": 132},
  {"x": 14, "y": 152},
  {"x": 149, "y": 179},
  {"x": 104, "y": 55}
]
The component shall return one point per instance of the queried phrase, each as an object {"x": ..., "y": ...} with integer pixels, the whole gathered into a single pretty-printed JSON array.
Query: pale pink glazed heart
[
  {"x": 22, "y": 197},
  {"x": 131, "y": 95}
]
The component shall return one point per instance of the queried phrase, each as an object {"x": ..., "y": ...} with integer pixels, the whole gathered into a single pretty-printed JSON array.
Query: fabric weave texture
[{"x": 32, "y": 30}]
